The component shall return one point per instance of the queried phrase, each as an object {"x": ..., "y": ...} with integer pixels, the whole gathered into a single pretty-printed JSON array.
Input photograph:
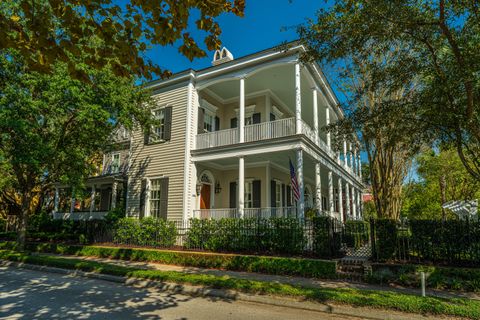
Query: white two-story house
[{"x": 223, "y": 148}]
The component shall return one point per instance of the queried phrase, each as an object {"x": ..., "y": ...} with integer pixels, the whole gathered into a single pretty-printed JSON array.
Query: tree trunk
[{"x": 23, "y": 220}]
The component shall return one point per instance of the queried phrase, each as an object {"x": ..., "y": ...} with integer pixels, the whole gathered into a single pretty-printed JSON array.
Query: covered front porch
[
  {"x": 100, "y": 195},
  {"x": 268, "y": 190}
]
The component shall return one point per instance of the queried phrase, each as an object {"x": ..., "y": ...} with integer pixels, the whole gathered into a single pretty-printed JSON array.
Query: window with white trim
[
  {"x": 278, "y": 194},
  {"x": 158, "y": 131},
  {"x": 209, "y": 122},
  {"x": 115, "y": 168},
  {"x": 248, "y": 197},
  {"x": 155, "y": 191}
]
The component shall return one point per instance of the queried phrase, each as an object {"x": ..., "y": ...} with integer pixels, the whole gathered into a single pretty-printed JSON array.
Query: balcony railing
[
  {"x": 217, "y": 138},
  {"x": 270, "y": 130}
]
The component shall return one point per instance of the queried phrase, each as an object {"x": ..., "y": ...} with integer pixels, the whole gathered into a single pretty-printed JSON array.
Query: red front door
[{"x": 205, "y": 197}]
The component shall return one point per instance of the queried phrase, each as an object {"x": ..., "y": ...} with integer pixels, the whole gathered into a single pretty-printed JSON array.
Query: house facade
[{"x": 228, "y": 139}]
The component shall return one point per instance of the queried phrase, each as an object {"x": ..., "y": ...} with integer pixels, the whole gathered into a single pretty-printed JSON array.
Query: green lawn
[{"x": 376, "y": 299}]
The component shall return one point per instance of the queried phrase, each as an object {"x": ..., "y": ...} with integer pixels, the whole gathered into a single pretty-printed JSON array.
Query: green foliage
[
  {"x": 109, "y": 33},
  {"x": 386, "y": 300},
  {"x": 441, "y": 278},
  {"x": 356, "y": 233},
  {"x": 326, "y": 240},
  {"x": 423, "y": 200},
  {"x": 386, "y": 239},
  {"x": 145, "y": 232},
  {"x": 274, "y": 235}
]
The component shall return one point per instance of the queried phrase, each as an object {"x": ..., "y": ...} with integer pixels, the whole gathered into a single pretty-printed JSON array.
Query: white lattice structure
[{"x": 463, "y": 208}]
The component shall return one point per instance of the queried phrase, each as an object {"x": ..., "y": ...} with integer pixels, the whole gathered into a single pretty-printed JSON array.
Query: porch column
[
  {"x": 56, "y": 200},
  {"x": 301, "y": 188},
  {"x": 355, "y": 165},
  {"x": 241, "y": 185},
  {"x": 268, "y": 178},
  {"x": 92, "y": 199},
  {"x": 351, "y": 154},
  {"x": 318, "y": 188},
  {"x": 113, "y": 204},
  {"x": 315, "y": 115},
  {"x": 268, "y": 107},
  {"x": 241, "y": 121},
  {"x": 340, "y": 198},
  {"x": 298, "y": 100},
  {"x": 327, "y": 120},
  {"x": 354, "y": 203},
  {"x": 359, "y": 166},
  {"x": 347, "y": 199},
  {"x": 345, "y": 158},
  {"x": 331, "y": 207}
]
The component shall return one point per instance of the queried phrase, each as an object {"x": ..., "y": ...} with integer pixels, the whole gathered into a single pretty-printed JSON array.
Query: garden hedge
[{"x": 264, "y": 264}]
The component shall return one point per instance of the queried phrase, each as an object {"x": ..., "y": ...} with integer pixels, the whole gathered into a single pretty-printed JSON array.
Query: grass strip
[
  {"x": 314, "y": 268},
  {"x": 366, "y": 298}
]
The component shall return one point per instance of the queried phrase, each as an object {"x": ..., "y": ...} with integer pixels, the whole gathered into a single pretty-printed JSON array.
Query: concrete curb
[{"x": 200, "y": 291}]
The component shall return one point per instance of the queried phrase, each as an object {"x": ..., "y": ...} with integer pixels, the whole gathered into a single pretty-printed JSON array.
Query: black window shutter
[
  {"x": 233, "y": 194},
  {"x": 217, "y": 123},
  {"x": 143, "y": 190},
  {"x": 146, "y": 136},
  {"x": 273, "y": 194},
  {"x": 272, "y": 117},
  {"x": 284, "y": 198},
  {"x": 201, "y": 120},
  {"x": 167, "y": 132},
  {"x": 257, "y": 193},
  {"x": 233, "y": 123},
  {"x": 163, "y": 198},
  {"x": 256, "y": 118},
  {"x": 289, "y": 196}
]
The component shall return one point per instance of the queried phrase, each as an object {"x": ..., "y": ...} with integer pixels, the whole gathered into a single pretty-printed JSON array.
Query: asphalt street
[{"x": 27, "y": 294}]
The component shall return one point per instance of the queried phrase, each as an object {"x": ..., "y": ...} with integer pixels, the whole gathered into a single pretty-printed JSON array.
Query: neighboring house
[{"x": 227, "y": 135}]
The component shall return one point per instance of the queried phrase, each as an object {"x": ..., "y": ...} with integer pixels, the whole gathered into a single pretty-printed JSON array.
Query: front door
[{"x": 205, "y": 197}]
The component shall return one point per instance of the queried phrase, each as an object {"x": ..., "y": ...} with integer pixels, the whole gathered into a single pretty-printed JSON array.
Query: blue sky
[{"x": 266, "y": 23}]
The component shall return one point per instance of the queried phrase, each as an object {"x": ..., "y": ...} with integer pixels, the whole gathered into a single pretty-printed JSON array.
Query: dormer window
[{"x": 222, "y": 56}]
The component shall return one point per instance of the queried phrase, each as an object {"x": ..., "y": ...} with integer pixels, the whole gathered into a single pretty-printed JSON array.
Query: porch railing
[
  {"x": 282, "y": 212},
  {"x": 217, "y": 138},
  {"x": 270, "y": 130}
]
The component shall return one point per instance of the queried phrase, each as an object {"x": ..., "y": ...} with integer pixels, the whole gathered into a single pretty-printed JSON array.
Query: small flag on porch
[{"x": 293, "y": 177}]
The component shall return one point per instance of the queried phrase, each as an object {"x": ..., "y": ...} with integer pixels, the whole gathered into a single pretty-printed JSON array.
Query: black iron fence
[{"x": 452, "y": 242}]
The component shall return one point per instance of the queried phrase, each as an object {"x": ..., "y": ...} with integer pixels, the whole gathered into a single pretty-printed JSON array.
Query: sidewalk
[{"x": 304, "y": 282}]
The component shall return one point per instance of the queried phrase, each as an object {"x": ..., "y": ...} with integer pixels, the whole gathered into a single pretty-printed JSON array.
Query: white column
[
  {"x": 327, "y": 120},
  {"x": 331, "y": 207},
  {"x": 359, "y": 161},
  {"x": 351, "y": 154},
  {"x": 113, "y": 204},
  {"x": 56, "y": 200},
  {"x": 340, "y": 198},
  {"x": 268, "y": 107},
  {"x": 354, "y": 203},
  {"x": 355, "y": 165},
  {"x": 298, "y": 100},
  {"x": 92, "y": 199},
  {"x": 347, "y": 199},
  {"x": 345, "y": 158},
  {"x": 241, "y": 186},
  {"x": 318, "y": 188},
  {"x": 268, "y": 178},
  {"x": 241, "y": 121},
  {"x": 301, "y": 186},
  {"x": 315, "y": 116}
]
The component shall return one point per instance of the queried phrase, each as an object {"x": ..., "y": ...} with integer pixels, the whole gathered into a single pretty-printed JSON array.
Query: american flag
[{"x": 293, "y": 177}]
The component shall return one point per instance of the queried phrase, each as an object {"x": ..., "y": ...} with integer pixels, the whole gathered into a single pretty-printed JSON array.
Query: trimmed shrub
[
  {"x": 145, "y": 232},
  {"x": 386, "y": 239},
  {"x": 264, "y": 264},
  {"x": 274, "y": 235}
]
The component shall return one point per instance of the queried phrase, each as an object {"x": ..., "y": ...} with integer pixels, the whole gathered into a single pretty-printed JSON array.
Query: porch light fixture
[
  {"x": 198, "y": 188},
  {"x": 218, "y": 188}
]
